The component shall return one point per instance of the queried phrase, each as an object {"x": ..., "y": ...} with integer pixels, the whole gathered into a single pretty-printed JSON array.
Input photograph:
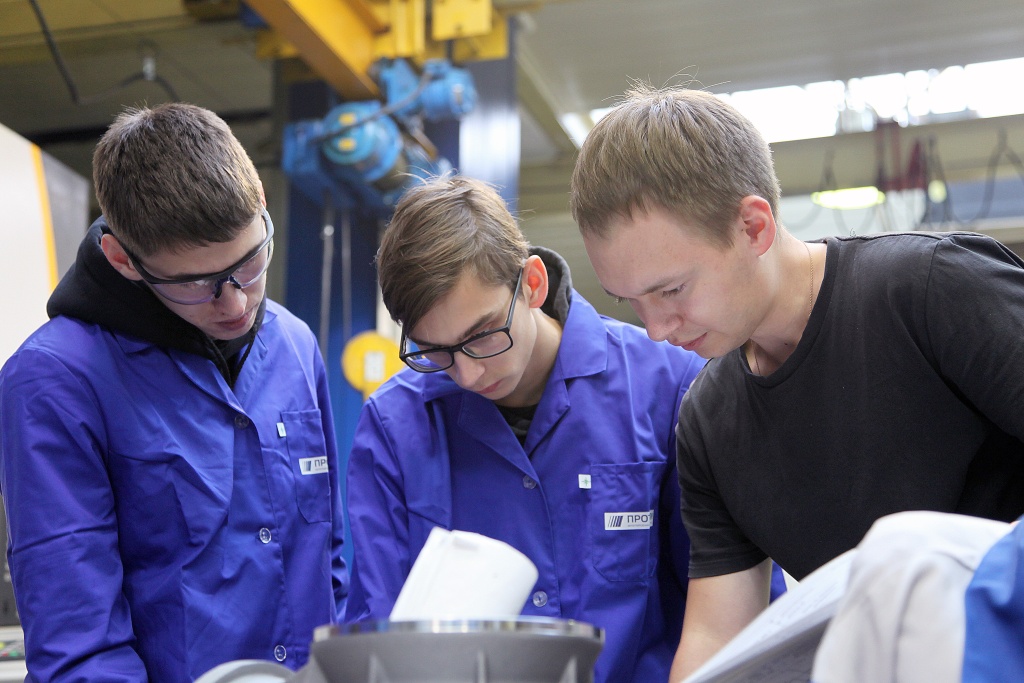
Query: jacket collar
[{"x": 94, "y": 292}]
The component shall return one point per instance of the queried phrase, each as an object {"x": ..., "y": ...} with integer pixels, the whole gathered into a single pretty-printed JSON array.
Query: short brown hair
[
  {"x": 681, "y": 150},
  {"x": 173, "y": 177},
  {"x": 441, "y": 229}
]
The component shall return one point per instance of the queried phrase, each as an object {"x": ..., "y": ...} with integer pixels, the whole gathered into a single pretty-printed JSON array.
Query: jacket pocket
[
  {"x": 623, "y": 519},
  {"x": 165, "y": 498},
  {"x": 307, "y": 455}
]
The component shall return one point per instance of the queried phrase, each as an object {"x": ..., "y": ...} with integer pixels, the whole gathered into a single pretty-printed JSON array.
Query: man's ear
[
  {"x": 757, "y": 223},
  {"x": 117, "y": 257},
  {"x": 535, "y": 281}
]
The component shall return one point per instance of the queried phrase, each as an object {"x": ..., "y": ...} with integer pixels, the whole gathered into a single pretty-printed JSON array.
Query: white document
[{"x": 779, "y": 645}]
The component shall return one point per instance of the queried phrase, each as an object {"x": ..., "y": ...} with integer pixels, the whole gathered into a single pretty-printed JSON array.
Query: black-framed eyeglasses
[
  {"x": 483, "y": 345},
  {"x": 200, "y": 289}
]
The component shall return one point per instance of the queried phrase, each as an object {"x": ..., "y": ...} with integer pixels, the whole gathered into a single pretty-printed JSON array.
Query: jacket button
[
  {"x": 265, "y": 535},
  {"x": 529, "y": 483},
  {"x": 540, "y": 598},
  {"x": 280, "y": 653},
  {"x": 241, "y": 421}
]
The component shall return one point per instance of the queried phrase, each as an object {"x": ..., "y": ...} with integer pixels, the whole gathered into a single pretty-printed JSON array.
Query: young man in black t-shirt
[{"x": 849, "y": 379}]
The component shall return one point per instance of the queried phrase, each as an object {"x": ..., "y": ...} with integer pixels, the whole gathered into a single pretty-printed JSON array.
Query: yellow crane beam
[
  {"x": 340, "y": 39},
  {"x": 336, "y": 38}
]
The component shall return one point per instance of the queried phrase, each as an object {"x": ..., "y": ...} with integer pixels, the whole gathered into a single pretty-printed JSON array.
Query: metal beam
[
  {"x": 535, "y": 97},
  {"x": 335, "y": 38},
  {"x": 533, "y": 101}
]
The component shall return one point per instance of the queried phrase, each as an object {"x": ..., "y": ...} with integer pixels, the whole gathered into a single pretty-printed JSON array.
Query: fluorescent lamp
[
  {"x": 849, "y": 198},
  {"x": 937, "y": 191}
]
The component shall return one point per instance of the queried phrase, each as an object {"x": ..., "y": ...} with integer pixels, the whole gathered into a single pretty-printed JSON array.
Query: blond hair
[{"x": 685, "y": 151}]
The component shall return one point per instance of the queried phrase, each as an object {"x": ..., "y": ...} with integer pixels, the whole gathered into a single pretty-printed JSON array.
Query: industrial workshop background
[{"x": 914, "y": 103}]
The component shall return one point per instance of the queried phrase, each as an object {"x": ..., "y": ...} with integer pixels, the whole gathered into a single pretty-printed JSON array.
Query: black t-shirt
[
  {"x": 519, "y": 419},
  {"x": 905, "y": 392}
]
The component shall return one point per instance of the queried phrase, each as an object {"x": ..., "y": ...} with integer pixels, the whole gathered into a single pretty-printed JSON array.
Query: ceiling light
[
  {"x": 937, "y": 191},
  {"x": 849, "y": 198}
]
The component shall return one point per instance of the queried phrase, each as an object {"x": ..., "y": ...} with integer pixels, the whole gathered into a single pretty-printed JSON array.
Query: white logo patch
[
  {"x": 313, "y": 465},
  {"x": 621, "y": 521}
]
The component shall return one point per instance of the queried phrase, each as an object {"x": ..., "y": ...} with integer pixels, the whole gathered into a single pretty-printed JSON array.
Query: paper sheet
[{"x": 779, "y": 645}]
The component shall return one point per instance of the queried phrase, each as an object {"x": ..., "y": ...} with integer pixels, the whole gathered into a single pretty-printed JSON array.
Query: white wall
[{"x": 28, "y": 259}]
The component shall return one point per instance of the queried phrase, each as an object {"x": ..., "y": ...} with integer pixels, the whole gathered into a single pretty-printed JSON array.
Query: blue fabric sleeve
[
  {"x": 63, "y": 543},
  {"x": 670, "y": 499},
  {"x": 994, "y": 642},
  {"x": 379, "y": 521},
  {"x": 778, "y": 586},
  {"x": 339, "y": 572}
]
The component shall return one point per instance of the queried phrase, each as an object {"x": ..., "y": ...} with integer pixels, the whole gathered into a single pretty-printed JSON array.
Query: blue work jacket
[
  {"x": 994, "y": 603},
  {"x": 162, "y": 522},
  {"x": 601, "y": 445}
]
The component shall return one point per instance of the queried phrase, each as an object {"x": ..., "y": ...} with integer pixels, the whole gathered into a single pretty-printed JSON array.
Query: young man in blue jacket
[
  {"x": 166, "y": 441},
  {"x": 524, "y": 416}
]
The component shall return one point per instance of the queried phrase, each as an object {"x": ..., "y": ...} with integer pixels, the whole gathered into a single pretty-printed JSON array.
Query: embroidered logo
[
  {"x": 622, "y": 521},
  {"x": 313, "y": 465}
]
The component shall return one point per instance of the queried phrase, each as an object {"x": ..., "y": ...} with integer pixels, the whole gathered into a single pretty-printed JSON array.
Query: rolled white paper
[{"x": 464, "y": 575}]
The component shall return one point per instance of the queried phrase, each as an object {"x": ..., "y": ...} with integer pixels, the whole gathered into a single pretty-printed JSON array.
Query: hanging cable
[
  {"x": 990, "y": 180},
  {"x": 1002, "y": 148},
  {"x": 826, "y": 182},
  {"x": 148, "y": 72},
  {"x": 61, "y": 66},
  {"x": 936, "y": 172}
]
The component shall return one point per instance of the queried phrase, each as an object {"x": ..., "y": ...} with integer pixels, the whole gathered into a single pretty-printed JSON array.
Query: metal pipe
[{"x": 326, "y": 274}]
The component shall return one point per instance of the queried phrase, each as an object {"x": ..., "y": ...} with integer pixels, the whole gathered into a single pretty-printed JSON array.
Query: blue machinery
[
  {"x": 347, "y": 168},
  {"x": 367, "y": 129},
  {"x": 367, "y": 152},
  {"x": 357, "y": 160}
]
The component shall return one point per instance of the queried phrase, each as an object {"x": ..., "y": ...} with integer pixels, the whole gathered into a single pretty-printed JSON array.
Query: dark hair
[
  {"x": 441, "y": 229},
  {"x": 174, "y": 177}
]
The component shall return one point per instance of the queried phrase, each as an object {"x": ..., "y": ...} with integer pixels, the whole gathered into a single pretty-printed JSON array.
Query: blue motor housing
[
  {"x": 441, "y": 93},
  {"x": 358, "y": 135},
  {"x": 375, "y": 145}
]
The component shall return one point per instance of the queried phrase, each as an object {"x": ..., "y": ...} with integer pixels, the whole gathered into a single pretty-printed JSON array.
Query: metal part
[
  {"x": 460, "y": 18},
  {"x": 346, "y": 273},
  {"x": 533, "y": 625},
  {"x": 380, "y": 146},
  {"x": 326, "y": 274},
  {"x": 246, "y": 671},
  {"x": 524, "y": 650},
  {"x": 406, "y": 32},
  {"x": 334, "y": 37},
  {"x": 357, "y": 135},
  {"x": 341, "y": 39}
]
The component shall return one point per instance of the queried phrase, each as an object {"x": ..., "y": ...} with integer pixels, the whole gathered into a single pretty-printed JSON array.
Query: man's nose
[
  {"x": 220, "y": 285},
  {"x": 466, "y": 371},
  {"x": 232, "y": 298},
  {"x": 659, "y": 321}
]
